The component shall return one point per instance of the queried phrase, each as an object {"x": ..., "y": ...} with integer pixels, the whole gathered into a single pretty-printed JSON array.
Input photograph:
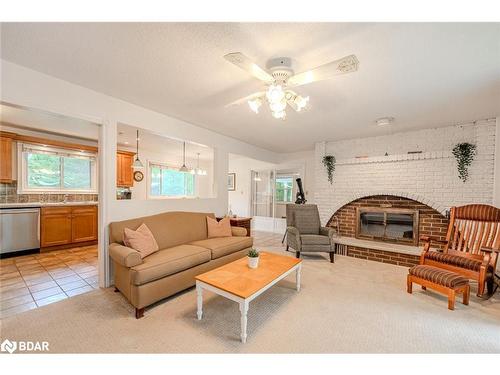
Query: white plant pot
[{"x": 253, "y": 262}]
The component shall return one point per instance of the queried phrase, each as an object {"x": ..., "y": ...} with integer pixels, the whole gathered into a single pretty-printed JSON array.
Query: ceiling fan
[{"x": 280, "y": 78}]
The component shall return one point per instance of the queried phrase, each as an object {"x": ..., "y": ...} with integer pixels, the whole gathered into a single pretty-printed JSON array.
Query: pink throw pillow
[
  {"x": 219, "y": 229},
  {"x": 141, "y": 240}
]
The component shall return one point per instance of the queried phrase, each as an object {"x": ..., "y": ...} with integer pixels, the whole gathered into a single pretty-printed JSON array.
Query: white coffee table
[{"x": 239, "y": 283}]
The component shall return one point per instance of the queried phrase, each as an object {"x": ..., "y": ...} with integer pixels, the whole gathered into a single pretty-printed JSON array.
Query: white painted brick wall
[{"x": 430, "y": 177}]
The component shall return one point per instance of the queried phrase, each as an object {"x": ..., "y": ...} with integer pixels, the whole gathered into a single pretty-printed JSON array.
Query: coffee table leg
[
  {"x": 297, "y": 276},
  {"x": 199, "y": 299},
  {"x": 244, "y": 311}
]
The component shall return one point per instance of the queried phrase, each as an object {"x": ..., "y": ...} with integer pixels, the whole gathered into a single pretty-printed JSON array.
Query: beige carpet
[{"x": 350, "y": 306}]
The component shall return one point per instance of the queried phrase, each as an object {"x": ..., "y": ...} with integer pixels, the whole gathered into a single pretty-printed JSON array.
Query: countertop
[{"x": 46, "y": 204}]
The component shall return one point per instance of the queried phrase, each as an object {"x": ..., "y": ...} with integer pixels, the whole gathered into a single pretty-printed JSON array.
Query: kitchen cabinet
[
  {"x": 84, "y": 224},
  {"x": 5, "y": 159},
  {"x": 124, "y": 172},
  {"x": 68, "y": 225}
]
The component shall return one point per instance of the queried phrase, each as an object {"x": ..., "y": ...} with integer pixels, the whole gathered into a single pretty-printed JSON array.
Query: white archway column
[{"x": 496, "y": 180}]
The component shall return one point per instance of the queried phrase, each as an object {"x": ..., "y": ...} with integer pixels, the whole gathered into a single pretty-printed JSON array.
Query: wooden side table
[{"x": 242, "y": 222}]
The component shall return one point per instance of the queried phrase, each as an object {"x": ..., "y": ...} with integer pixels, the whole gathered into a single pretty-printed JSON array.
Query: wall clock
[{"x": 138, "y": 176}]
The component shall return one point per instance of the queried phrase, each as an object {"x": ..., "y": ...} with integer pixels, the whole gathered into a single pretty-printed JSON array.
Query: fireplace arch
[
  {"x": 411, "y": 196},
  {"x": 431, "y": 222}
]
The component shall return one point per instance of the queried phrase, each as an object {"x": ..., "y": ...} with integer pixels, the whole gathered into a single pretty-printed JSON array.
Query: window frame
[
  {"x": 276, "y": 190},
  {"x": 23, "y": 150},
  {"x": 164, "y": 165}
]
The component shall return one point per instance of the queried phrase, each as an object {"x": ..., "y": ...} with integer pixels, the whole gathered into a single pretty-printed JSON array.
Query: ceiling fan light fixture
[
  {"x": 278, "y": 106},
  {"x": 275, "y": 93},
  {"x": 301, "y": 102},
  {"x": 279, "y": 115},
  {"x": 255, "y": 104}
]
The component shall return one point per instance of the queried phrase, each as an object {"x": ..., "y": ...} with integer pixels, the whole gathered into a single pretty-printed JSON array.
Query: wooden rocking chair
[{"x": 471, "y": 247}]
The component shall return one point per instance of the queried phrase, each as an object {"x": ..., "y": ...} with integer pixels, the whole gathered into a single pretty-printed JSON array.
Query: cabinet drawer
[
  {"x": 83, "y": 210},
  {"x": 56, "y": 210}
]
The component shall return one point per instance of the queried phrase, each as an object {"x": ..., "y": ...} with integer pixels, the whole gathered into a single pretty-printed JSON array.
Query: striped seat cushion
[
  {"x": 454, "y": 260},
  {"x": 438, "y": 276}
]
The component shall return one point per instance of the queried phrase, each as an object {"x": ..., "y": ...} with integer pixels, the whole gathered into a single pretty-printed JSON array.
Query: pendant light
[
  {"x": 184, "y": 168},
  {"x": 137, "y": 162},
  {"x": 198, "y": 170}
]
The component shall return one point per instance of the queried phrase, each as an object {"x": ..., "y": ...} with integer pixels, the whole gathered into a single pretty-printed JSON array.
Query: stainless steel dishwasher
[{"x": 19, "y": 229}]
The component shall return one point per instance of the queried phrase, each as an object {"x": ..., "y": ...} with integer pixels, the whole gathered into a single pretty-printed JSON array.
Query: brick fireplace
[
  {"x": 409, "y": 171},
  {"x": 401, "y": 248}
]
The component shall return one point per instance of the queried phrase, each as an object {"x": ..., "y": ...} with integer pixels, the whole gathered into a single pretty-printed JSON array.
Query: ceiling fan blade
[
  {"x": 244, "y": 62},
  {"x": 344, "y": 65},
  {"x": 255, "y": 95}
]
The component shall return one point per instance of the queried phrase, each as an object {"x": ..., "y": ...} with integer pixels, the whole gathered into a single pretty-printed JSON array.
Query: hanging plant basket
[
  {"x": 329, "y": 163},
  {"x": 464, "y": 154}
]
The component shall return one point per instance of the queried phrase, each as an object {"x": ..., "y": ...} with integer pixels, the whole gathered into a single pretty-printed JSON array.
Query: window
[
  {"x": 284, "y": 189},
  {"x": 50, "y": 169},
  {"x": 168, "y": 182}
]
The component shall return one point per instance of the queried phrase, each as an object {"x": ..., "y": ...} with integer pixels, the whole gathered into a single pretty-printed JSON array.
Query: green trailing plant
[
  {"x": 253, "y": 253},
  {"x": 464, "y": 154},
  {"x": 329, "y": 163}
]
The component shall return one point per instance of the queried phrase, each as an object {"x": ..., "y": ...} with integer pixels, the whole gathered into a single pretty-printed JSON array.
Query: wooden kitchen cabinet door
[
  {"x": 84, "y": 225},
  {"x": 5, "y": 159},
  {"x": 124, "y": 172},
  {"x": 55, "y": 226}
]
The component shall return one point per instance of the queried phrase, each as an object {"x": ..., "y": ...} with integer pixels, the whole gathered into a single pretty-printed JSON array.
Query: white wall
[
  {"x": 430, "y": 177},
  {"x": 26, "y": 87},
  {"x": 239, "y": 200}
]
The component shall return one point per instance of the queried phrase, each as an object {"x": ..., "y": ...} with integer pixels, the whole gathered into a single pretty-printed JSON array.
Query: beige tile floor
[{"x": 30, "y": 281}]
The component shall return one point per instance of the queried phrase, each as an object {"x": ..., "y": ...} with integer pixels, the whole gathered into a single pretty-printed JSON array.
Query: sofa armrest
[
  {"x": 124, "y": 255},
  {"x": 327, "y": 231},
  {"x": 239, "y": 231},
  {"x": 293, "y": 238}
]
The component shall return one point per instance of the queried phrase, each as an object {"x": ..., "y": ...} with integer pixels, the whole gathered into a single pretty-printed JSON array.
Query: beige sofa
[{"x": 185, "y": 251}]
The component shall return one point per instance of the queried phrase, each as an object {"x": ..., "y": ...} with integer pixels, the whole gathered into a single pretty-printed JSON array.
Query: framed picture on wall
[{"x": 231, "y": 181}]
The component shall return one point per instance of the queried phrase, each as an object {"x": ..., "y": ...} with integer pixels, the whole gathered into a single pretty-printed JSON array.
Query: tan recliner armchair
[{"x": 305, "y": 233}]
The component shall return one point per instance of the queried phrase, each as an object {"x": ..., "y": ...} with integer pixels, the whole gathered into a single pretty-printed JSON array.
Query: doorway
[{"x": 51, "y": 171}]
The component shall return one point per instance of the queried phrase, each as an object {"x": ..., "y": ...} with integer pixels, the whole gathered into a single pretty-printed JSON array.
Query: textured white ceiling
[{"x": 424, "y": 75}]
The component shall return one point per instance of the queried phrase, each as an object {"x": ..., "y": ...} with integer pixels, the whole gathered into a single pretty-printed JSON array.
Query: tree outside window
[
  {"x": 284, "y": 189},
  {"x": 58, "y": 171},
  {"x": 169, "y": 182}
]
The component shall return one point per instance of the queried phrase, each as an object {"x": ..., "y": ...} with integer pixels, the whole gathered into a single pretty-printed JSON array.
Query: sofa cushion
[
  {"x": 166, "y": 262},
  {"x": 141, "y": 240},
  {"x": 314, "y": 239},
  {"x": 224, "y": 245},
  {"x": 219, "y": 228}
]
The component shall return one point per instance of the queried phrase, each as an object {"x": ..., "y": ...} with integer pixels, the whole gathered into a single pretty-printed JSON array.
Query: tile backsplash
[{"x": 8, "y": 194}]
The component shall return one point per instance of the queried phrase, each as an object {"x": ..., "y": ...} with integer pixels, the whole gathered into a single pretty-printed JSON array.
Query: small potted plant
[{"x": 253, "y": 258}]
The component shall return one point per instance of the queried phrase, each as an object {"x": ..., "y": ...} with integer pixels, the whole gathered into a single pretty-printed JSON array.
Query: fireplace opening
[{"x": 387, "y": 224}]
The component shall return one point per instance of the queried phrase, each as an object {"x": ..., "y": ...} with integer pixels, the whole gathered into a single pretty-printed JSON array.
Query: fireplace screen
[{"x": 387, "y": 224}]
